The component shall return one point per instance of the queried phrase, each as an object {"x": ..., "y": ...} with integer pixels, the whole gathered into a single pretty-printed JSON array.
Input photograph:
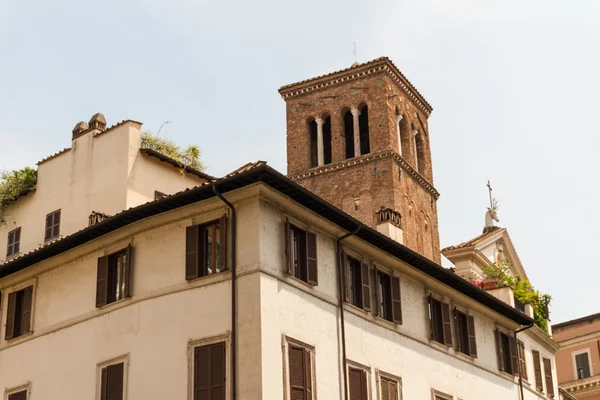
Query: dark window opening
[
  {"x": 363, "y": 123},
  {"x": 206, "y": 249},
  {"x": 349, "y": 133},
  {"x": 508, "y": 359},
  {"x": 18, "y": 318},
  {"x": 582, "y": 362},
  {"x": 209, "y": 372},
  {"x": 439, "y": 319},
  {"x": 113, "y": 278},
  {"x": 465, "y": 333},
  {"x": 355, "y": 282},
  {"x": 314, "y": 152},
  {"x": 301, "y": 254},
  {"x": 52, "y": 226},
  {"x": 327, "y": 157},
  {"x": 14, "y": 242},
  {"x": 111, "y": 385},
  {"x": 386, "y": 296},
  {"x": 519, "y": 306},
  {"x": 389, "y": 305},
  {"x": 22, "y": 395}
]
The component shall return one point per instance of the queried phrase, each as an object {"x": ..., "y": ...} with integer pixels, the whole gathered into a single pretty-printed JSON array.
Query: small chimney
[
  {"x": 389, "y": 222},
  {"x": 81, "y": 128},
  {"x": 98, "y": 122}
]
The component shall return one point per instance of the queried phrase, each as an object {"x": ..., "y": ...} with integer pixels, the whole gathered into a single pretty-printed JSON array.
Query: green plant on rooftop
[
  {"x": 188, "y": 157},
  {"x": 12, "y": 185},
  {"x": 522, "y": 290}
]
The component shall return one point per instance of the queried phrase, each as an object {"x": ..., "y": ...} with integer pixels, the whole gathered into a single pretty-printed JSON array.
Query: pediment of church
[{"x": 492, "y": 246}]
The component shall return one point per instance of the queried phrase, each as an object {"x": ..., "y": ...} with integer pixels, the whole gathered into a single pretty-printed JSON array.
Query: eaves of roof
[
  {"x": 260, "y": 172},
  {"x": 174, "y": 163},
  {"x": 566, "y": 324}
]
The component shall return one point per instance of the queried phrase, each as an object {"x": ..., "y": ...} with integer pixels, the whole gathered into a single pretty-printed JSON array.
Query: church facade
[{"x": 259, "y": 285}]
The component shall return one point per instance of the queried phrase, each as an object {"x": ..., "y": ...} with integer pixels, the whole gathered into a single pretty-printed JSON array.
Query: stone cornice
[
  {"x": 579, "y": 340},
  {"x": 381, "y": 65},
  {"x": 367, "y": 158},
  {"x": 585, "y": 386}
]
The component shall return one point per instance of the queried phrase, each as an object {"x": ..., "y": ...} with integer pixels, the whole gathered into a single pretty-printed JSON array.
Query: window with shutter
[
  {"x": 388, "y": 297},
  {"x": 548, "y": 376},
  {"x": 389, "y": 389},
  {"x": 357, "y": 384},
  {"x": 112, "y": 382},
  {"x": 522, "y": 363},
  {"x": 582, "y": 365},
  {"x": 436, "y": 320},
  {"x": 18, "y": 317},
  {"x": 113, "y": 279},
  {"x": 206, "y": 249},
  {"x": 52, "y": 230},
  {"x": 506, "y": 349},
  {"x": 461, "y": 332},
  {"x": 300, "y": 373},
  {"x": 354, "y": 277},
  {"x": 209, "y": 372},
  {"x": 537, "y": 368},
  {"x": 14, "y": 242},
  {"x": 20, "y": 395},
  {"x": 301, "y": 254}
]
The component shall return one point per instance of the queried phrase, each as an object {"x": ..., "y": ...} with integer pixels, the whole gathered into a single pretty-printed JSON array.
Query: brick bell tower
[{"x": 358, "y": 138}]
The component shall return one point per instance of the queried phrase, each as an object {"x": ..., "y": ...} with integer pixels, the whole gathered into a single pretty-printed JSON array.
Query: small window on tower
[
  {"x": 363, "y": 123},
  {"x": 349, "y": 133}
]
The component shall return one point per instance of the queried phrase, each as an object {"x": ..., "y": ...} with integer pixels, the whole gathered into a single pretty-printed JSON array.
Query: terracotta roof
[
  {"x": 54, "y": 155},
  {"x": 261, "y": 173},
  {"x": 476, "y": 240},
  {"x": 382, "y": 64},
  {"x": 566, "y": 324}
]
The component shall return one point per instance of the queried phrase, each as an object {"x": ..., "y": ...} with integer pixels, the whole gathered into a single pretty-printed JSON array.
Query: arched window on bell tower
[
  {"x": 348, "y": 131},
  {"x": 414, "y": 134},
  {"x": 312, "y": 134},
  {"x": 327, "y": 152},
  {"x": 363, "y": 123},
  {"x": 419, "y": 150}
]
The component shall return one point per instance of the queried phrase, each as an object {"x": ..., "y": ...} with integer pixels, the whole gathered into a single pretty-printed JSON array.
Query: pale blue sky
[{"x": 514, "y": 85}]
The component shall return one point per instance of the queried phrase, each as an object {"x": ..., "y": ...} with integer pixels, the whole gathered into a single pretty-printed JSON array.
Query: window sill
[
  {"x": 439, "y": 345},
  {"x": 107, "y": 305},
  {"x": 508, "y": 375},
  {"x": 8, "y": 258},
  {"x": 308, "y": 285},
  {"x": 207, "y": 276},
  {"x": 386, "y": 321},
  {"x": 52, "y": 239},
  {"x": 16, "y": 339},
  {"x": 466, "y": 357}
]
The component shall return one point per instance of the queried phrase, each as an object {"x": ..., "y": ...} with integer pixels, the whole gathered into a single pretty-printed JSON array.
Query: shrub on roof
[
  {"x": 188, "y": 157},
  {"x": 12, "y": 184}
]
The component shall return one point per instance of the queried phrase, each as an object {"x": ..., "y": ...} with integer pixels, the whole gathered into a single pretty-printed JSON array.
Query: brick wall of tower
[{"x": 362, "y": 185}]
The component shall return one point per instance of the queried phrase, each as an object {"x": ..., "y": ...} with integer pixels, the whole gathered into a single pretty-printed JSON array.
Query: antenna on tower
[{"x": 354, "y": 52}]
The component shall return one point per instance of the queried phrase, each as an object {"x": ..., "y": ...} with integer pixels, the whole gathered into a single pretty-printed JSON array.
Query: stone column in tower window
[
  {"x": 398, "y": 120},
  {"x": 320, "y": 152},
  {"x": 355, "y": 115}
]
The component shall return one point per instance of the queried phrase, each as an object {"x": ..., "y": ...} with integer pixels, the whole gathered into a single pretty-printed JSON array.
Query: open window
[
  {"x": 363, "y": 123},
  {"x": 506, "y": 348},
  {"x": 206, "y": 249},
  {"x": 389, "y": 303},
  {"x": 301, "y": 253},
  {"x": 357, "y": 286},
  {"x": 464, "y": 328},
  {"x": 348, "y": 132},
  {"x": 19, "y": 313},
  {"x": 312, "y": 134},
  {"x": 113, "y": 280},
  {"x": 439, "y": 319}
]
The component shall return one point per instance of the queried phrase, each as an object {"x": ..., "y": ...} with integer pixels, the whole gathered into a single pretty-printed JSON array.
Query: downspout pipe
[
  {"x": 233, "y": 292},
  {"x": 524, "y": 328},
  {"x": 340, "y": 265}
]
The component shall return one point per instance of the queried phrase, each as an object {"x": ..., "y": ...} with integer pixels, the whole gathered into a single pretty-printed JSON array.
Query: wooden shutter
[
  {"x": 127, "y": 273},
  {"x": 289, "y": 262},
  {"x": 447, "y": 324},
  {"x": 376, "y": 286},
  {"x": 385, "y": 390},
  {"x": 223, "y": 243},
  {"x": 307, "y": 374},
  {"x": 201, "y": 373},
  {"x": 297, "y": 364},
  {"x": 431, "y": 317},
  {"x": 217, "y": 379},
  {"x": 102, "y": 282},
  {"x": 537, "y": 367},
  {"x": 548, "y": 375},
  {"x": 56, "y": 224},
  {"x": 48, "y": 233},
  {"x": 522, "y": 363},
  {"x": 26, "y": 310},
  {"x": 115, "y": 382},
  {"x": 345, "y": 265},
  {"x": 104, "y": 384},
  {"x": 192, "y": 253},
  {"x": 357, "y": 383},
  {"x": 22, "y": 395},
  {"x": 17, "y": 241},
  {"x": 311, "y": 259},
  {"x": 514, "y": 361},
  {"x": 396, "y": 300},
  {"x": 365, "y": 273},
  {"x": 10, "y": 316},
  {"x": 499, "y": 351},
  {"x": 472, "y": 338},
  {"x": 457, "y": 332}
]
